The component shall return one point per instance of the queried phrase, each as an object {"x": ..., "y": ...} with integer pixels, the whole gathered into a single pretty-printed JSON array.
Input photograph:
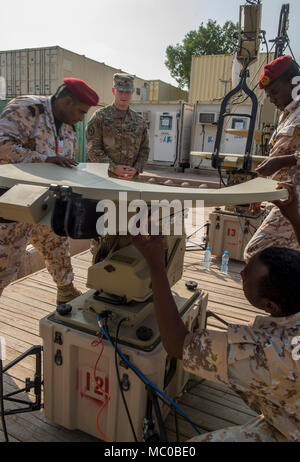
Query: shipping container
[
  {"x": 161, "y": 91},
  {"x": 204, "y": 129},
  {"x": 29, "y": 72},
  {"x": 169, "y": 125},
  {"x": 41, "y": 71},
  {"x": 213, "y": 76}
]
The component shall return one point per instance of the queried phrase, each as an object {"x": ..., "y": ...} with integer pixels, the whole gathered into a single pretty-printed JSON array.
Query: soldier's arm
[
  {"x": 171, "y": 327},
  {"x": 290, "y": 207},
  {"x": 205, "y": 352},
  {"x": 143, "y": 152},
  {"x": 95, "y": 146},
  {"x": 271, "y": 165},
  {"x": 282, "y": 155},
  {"x": 16, "y": 141}
]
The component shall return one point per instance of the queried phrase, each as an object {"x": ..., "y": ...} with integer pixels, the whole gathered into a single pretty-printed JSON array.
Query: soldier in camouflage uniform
[
  {"x": 118, "y": 135},
  {"x": 41, "y": 129},
  {"x": 261, "y": 362},
  {"x": 283, "y": 164}
]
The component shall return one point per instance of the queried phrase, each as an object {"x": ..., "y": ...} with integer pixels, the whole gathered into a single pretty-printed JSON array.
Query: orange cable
[{"x": 94, "y": 344}]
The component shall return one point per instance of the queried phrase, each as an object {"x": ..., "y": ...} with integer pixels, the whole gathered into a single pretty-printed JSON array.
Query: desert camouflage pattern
[
  {"x": 28, "y": 134},
  {"x": 14, "y": 238},
  {"x": 256, "y": 431},
  {"x": 118, "y": 137},
  {"x": 275, "y": 229},
  {"x": 260, "y": 364}
]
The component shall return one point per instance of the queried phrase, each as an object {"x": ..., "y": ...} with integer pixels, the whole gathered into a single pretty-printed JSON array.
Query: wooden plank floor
[{"x": 210, "y": 406}]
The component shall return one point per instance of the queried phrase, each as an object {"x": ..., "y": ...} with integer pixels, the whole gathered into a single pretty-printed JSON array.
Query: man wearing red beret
[
  {"x": 283, "y": 164},
  {"x": 41, "y": 129}
]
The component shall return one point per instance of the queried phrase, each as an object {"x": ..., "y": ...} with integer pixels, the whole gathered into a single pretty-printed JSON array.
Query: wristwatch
[{"x": 297, "y": 157}]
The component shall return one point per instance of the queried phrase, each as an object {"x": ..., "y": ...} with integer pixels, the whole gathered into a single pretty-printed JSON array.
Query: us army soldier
[
  {"x": 118, "y": 135},
  {"x": 41, "y": 129}
]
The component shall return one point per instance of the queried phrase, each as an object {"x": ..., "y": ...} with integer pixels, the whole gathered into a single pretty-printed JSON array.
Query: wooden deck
[{"x": 210, "y": 406}]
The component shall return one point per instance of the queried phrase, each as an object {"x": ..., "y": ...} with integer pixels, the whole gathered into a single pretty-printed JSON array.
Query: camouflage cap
[{"x": 124, "y": 82}]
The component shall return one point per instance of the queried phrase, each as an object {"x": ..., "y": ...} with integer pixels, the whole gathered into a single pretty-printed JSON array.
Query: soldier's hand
[
  {"x": 151, "y": 247},
  {"x": 290, "y": 207},
  {"x": 62, "y": 161},
  {"x": 124, "y": 172},
  {"x": 271, "y": 165}
]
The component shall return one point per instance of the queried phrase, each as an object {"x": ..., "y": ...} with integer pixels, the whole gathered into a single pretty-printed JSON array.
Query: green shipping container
[
  {"x": 3, "y": 103},
  {"x": 80, "y": 155}
]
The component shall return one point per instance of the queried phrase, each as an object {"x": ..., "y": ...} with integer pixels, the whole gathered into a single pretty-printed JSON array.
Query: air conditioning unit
[{"x": 208, "y": 117}]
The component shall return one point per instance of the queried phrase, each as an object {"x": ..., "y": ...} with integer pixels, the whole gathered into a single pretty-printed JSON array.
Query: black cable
[
  {"x": 250, "y": 233},
  {"x": 266, "y": 44},
  {"x": 194, "y": 232},
  {"x": 289, "y": 47},
  {"x": 160, "y": 397},
  {"x": 176, "y": 425},
  {"x": 254, "y": 88},
  {"x": 175, "y": 410},
  {"x": 119, "y": 380},
  {"x": 252, "y": 226},
  {"x": 221, "y": 178},
  {"x": 2, "y": 404},
  {"x": 185, "y": 389}
]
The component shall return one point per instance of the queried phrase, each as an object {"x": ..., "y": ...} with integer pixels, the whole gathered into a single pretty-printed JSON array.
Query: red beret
[
  {"x": 274, "y": 70},
  {"x": 82, "y": 91}
]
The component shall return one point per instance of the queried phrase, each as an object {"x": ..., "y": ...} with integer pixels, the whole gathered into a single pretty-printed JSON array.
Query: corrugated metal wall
[
  {"x": 208, "y": 71},
  {"x": 29, "y": 71},
  {"x": 40, "y": 71}
]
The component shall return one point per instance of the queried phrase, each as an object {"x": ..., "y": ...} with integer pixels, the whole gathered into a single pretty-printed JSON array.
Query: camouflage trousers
[
  {"x": 275, "y": 230},
  {"x": 257, "y": 430},
  {"x": 14, "y": 237}
]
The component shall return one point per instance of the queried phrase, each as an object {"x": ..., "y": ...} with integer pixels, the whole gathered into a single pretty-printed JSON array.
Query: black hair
[{"x": 281, "y": 285}]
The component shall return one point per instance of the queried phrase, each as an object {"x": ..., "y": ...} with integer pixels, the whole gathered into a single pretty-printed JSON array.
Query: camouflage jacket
[
  {"x": 286, "y": 140},
  {"x": 261, "y": 363},
  {"x": 118, "y": 137},
  {"x": 28, "y": 132}
]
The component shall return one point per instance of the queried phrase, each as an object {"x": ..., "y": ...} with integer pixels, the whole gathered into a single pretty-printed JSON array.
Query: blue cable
[
  {"x": 144, "y": 378},
  {"x": 244, "y": 236}
]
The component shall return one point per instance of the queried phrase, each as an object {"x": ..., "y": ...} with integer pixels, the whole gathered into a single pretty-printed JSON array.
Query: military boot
[{"x": 66, "y": 293}]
